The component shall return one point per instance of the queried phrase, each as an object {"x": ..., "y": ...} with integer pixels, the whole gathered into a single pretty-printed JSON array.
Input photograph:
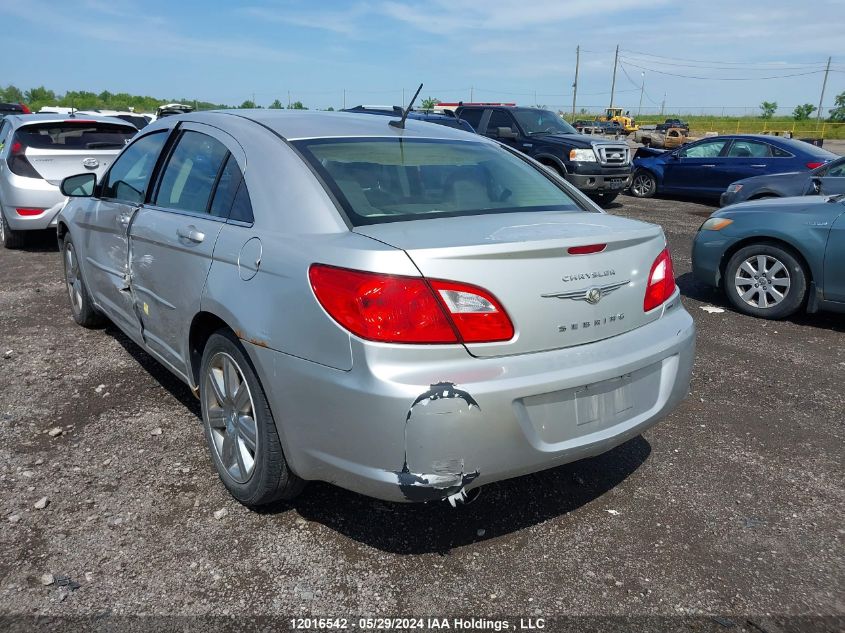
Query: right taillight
[
  {"x": 18, "y": 162},
  {"x": 814, "y": 164},
  {"x": 661, "y": 282},
  {"x": 399, "y": 309}
]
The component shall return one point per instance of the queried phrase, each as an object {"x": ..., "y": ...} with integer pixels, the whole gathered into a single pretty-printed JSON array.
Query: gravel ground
[{"x": 733, "y": 505}]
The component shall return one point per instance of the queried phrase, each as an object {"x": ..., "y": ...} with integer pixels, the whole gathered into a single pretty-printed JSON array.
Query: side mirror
[
  {"x": 79, "y": 186},
  {"x": 506, "y": 132},
  {"x": 675, "y": 156},
  {"x": 816, "y": 186}
]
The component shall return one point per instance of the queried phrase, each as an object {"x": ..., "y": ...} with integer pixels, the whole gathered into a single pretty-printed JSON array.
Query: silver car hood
[{"x": 522, "y": 259}]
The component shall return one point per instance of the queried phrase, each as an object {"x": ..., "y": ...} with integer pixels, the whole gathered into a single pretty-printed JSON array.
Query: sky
[{"x": 378, "y": 51}]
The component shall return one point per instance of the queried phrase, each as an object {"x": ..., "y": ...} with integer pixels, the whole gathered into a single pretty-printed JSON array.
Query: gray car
[
  {"x": 37, "y": 151},
  {"x": 409, "y": 313},
  {"x": 825, "y": 180}
]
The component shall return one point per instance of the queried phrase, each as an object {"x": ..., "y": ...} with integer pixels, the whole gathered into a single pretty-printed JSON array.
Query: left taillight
[
  {"x": 412, "y": 310},
  {"x": 18, "y": 162},
  {"x": 661, "y": 282}
]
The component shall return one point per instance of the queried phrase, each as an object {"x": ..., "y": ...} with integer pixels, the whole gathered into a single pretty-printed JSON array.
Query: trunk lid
[
  {"x": 523, "y": 259},
  {"x": 61, "y": 149}
]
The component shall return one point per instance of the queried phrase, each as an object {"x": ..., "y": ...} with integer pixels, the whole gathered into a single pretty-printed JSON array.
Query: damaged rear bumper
[{"x": 427, "y": 423}]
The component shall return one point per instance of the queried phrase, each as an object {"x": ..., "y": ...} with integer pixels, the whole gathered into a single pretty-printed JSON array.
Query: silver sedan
[{"x": 407, "y": 312}]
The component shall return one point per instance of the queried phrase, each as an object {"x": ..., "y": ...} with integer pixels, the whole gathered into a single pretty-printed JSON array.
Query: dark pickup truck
[
  {"x": 669, "y": 123},
  {"x": 599, "y": 168}
]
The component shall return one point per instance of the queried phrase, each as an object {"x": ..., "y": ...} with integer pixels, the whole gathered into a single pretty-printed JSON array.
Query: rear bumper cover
[
  {"x": 31, "y": 193},
  {"x": 408, "y": 426}
]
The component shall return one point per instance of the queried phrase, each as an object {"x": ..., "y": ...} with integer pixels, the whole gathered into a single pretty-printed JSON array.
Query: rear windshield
[
  {"x": 389, "y": 180},
  {"x": 72, "y": 135}
]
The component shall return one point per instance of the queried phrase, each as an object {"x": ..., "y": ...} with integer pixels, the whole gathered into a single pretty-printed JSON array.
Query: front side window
[
  {"x": 708, "y": 149},
  {"x": 473, "y": 117},
  {"x": 836, "y": 169},
  {"x": 191, "y": 171},
  {"x": 538, "y": 121},
  {"x": 499, "y": 119},
  {"x": 389, "y": 180},
  {"x": 129, "y": 176}
]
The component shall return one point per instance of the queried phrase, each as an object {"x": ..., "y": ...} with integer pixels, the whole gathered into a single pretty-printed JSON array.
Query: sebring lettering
[{"x": 583, "y": 325}]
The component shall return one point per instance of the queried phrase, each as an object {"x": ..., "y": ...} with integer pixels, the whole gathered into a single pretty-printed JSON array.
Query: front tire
[
  {"x": 643, "y": 184},
  {"x": 10, "y": 239},
  {"x": 766, "y": 281},
  {"x": 81, "y": 305},
  {"x": 239, "y": 426}
]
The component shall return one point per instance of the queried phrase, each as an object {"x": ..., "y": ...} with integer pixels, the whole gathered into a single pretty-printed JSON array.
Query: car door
[
  {"x": 691, "y": 169},
  {"x": 832, "y": 179},
  {"x": 173, "y": 236},
  {"x": 103, "y": 243},
  {"x": 745, "y": 158},
  {"x": 834, "y": 258}
]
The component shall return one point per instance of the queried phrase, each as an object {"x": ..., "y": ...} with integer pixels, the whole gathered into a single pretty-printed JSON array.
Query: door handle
[
  {"x": 760, "y": 166},
  {"x": 191, "y": 233},
  {"x": 708, "y": 165}
]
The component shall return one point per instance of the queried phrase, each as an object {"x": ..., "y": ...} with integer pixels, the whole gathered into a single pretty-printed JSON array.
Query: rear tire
[
  {"x": 643, "y": 184},
  {"x": 11, "y": 239},
  {"x": 81, "y": 305},
  {"x": 603, "y": 199},
  {"x": 766, "y": 281},
  {"x": 239, "y": 426}
]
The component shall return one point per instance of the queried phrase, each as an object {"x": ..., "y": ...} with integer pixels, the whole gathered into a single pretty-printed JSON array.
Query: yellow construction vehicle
[{"x": 615, "y": 114}]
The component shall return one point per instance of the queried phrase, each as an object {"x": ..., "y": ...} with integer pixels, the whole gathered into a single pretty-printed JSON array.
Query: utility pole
[
  {"x": 642, "y": 90},
  {"x": 663, "y": 104},
  {"x": 403, "y": 98},
  {"x": 575, "y": 83},
  {"x": 824, "y": 85},
  {"x": 613, "y": 83},
  {"x": 471, "y": 94},
  {"x": 344, "y": 98},
  {"x": 288, "y": 99}
]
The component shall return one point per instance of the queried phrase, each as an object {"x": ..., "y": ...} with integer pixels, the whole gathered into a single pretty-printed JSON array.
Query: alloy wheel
[
  {"x": 762, "y": 281},
  {"x": 72, "y": 279},
  {"x": 231, "y": 417},
  {"x": 642, "y": 186}
]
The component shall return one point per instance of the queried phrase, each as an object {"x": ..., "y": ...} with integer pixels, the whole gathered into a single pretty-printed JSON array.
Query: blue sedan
[
  {"x": 706, "y": 168},
  {"x": 774, "y": 257}
]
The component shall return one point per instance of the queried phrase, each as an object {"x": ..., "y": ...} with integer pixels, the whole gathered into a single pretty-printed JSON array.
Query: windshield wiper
[{"x": 836, "y": 197}]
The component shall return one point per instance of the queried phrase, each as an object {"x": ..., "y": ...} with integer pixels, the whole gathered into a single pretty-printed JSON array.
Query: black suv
[
  {"x": 668, "y": 123},
  {"x": 599, "y": 168},
  {"x": 448, "y": 119}
]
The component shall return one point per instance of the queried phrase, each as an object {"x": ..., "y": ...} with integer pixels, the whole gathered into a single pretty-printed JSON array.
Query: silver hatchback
[
  {"x": 409, "y": 313},
  {"x": 36, "y": 152}
]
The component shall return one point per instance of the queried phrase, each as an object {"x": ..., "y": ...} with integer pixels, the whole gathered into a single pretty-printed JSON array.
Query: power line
[
  {"x": 750, "y": 67},
  {"x": 713, "y": 61},
  {"x": 662, "y": 72}
]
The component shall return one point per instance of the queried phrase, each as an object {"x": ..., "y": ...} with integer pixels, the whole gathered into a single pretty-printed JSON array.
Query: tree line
[{"x": 37, "y": 98}]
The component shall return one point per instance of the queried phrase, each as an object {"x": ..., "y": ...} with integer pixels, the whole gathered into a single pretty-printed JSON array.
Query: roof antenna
[{"x": 401, "y": 124}]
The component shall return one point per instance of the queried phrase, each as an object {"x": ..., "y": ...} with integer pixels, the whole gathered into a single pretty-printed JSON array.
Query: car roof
[
  {"x": 784, "y": 141},
  {"x": 18, "y": 120},
  {"x": 302, "y": 124}
]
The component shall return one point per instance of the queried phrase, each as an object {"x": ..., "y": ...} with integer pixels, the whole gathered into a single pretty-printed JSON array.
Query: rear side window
[
  {"x": 129, "y": 176},
  {"x": 191, "y": 172},
  {"x": 750, "y": 149},
  {"x": 75, "y": 135},
  {"x": 389, "y": 180},
  {"x": 231, "y": 199}
]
